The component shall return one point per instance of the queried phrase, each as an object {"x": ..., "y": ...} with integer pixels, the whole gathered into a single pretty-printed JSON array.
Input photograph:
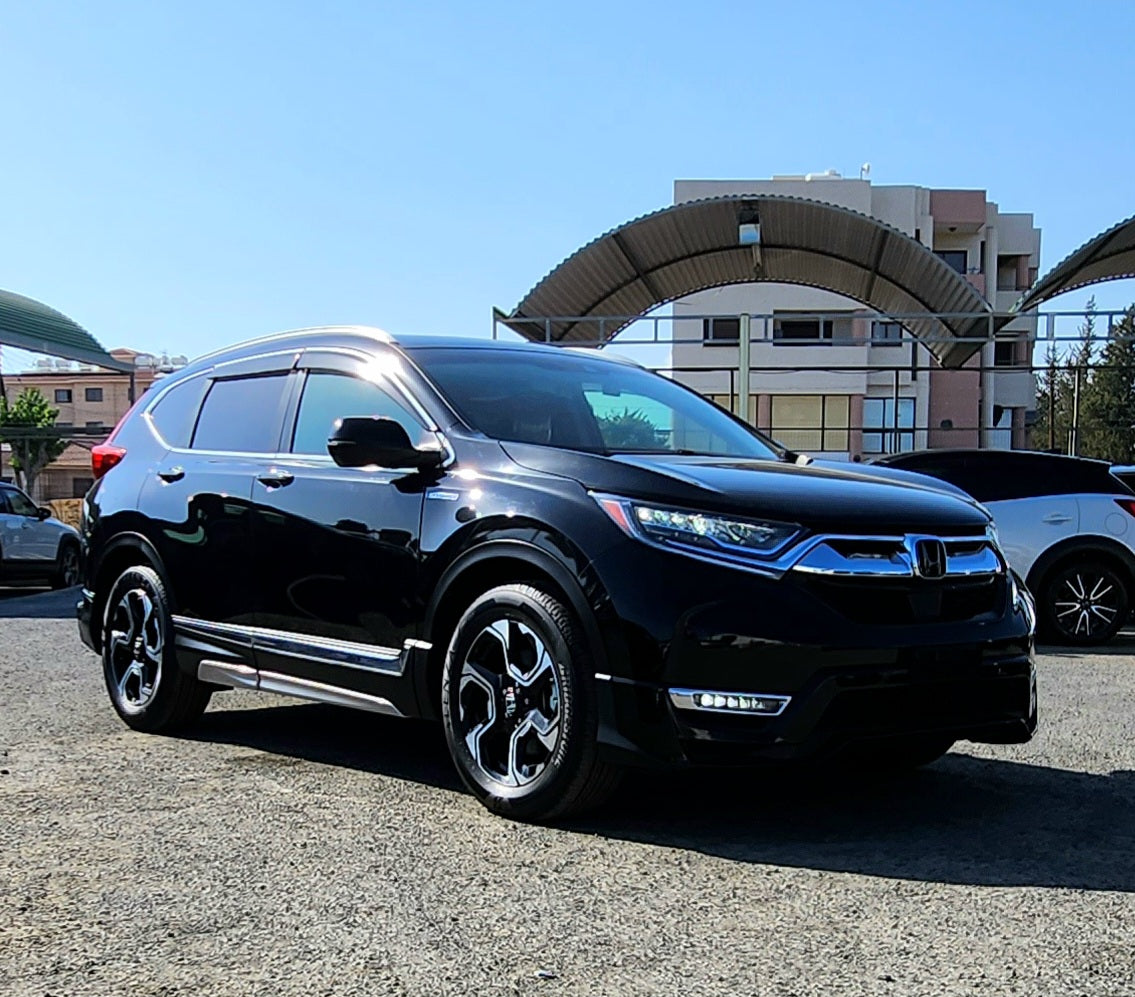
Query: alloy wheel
[
  {"x": 69, "y": 567},
  {"x": 1086, "y": 602},
  {"x": 509, "y": 703},
  {"x": 134, "y": 645}
]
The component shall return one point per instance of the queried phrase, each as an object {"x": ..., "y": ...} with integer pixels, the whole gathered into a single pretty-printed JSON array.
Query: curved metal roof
[
  {"x": 694, "y": 246},
  {"x": 1109, "y": 256},
  {"x": 31, "y": 325}
]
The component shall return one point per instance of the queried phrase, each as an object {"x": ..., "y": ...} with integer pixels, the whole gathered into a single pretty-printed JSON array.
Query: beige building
[
  {"x": 90, "y": 401},
  {"x": 829, "y": 375}
]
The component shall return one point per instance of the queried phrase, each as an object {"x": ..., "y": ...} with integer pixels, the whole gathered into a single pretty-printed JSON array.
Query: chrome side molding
[{"x": 242, "y": 677}]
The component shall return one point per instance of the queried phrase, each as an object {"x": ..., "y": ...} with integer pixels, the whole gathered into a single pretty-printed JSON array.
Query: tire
[
  {"x": 1083, "y": 602},
  {"x": 68, "y": 568},
  {"x": 520, "y": 710},
  {"x": 146, "y": 687}
]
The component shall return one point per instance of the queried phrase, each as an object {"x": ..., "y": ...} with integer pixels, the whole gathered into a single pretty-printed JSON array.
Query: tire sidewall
[
  {"x": 1057, "y": 633},
  {"x": 572, "y": 663},
  {"x": 155, "y": 712},
  {"x": 68, "y": 546}
]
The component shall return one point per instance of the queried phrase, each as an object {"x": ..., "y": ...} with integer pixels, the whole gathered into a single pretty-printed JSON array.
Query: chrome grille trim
[{"x": 896, "y": 556}]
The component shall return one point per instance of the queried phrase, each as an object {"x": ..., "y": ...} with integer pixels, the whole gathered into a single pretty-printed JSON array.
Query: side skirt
[{"x": 242, "y": 677}]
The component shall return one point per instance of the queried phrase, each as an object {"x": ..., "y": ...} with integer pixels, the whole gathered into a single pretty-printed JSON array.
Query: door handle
[
  {"x": 1056, "y": 518},
  {"x": 172, "y": 475},
  {"x": 275, "y": 478}
]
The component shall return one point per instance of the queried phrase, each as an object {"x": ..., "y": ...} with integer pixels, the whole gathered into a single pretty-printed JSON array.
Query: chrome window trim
[{"x": 325, "y": 650}]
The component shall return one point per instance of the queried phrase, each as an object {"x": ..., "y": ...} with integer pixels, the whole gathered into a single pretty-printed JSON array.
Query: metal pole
[
  {"x": 743, "y": 365},
  {"x": 895, "y": 414},
  {"x": 1074, "y": 436}
]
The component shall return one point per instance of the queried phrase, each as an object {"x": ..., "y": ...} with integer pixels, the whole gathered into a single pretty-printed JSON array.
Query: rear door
[
  {"x": 225, "y": 427},
  {"x": 336, "y": 549}
]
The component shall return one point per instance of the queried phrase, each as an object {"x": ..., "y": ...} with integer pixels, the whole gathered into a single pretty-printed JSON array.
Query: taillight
[
  {"x": 1127, "y": 505},
  {"x": 104, "y": 457}
]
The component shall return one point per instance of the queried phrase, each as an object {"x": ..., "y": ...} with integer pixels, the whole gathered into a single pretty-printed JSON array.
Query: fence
[{"x": 855, "y": 384}]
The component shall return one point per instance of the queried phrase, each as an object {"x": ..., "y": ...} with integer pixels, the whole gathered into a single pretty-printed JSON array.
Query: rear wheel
[
  {"x": 67, "y": 570},
  {"x": 147, "y": 688},
  {"x": 519, "y": 707},
  {"x": 1084, "y": 602}
]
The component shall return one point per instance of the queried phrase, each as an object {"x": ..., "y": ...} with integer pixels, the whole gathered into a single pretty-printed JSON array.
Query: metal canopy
[
  {"x": 30, "y": 325},
  {"x": 694, "y": 246},
  {"x": 1109, "y": 256}
]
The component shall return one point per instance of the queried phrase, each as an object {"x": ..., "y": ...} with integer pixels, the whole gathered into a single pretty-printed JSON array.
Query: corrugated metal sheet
[
  {"x": 694, "y": 246},
  {"x": 31, "y": 325},
  {"x": 1109, "y": 256}
]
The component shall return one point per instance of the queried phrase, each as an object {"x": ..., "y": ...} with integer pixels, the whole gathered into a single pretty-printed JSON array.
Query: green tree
[
  {"x": 28, "y": 426},
  {"x": 1056, "y": 387},
  {"x": 1107, "y": 409},
  {"x": 628, "y": 430}
]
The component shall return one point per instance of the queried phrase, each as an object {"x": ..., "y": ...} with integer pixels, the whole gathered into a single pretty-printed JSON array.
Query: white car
[
  {"x": 1066, "y": 524},
  {"x": 34, "y": 547}
]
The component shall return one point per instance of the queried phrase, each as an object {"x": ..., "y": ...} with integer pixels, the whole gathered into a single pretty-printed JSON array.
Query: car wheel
[
  {"x": 519, "y": 707},
  {"x": 1085, "y": 602},
  {"x": 68, "y": 570},
  {"x": 147, "y": 688}
]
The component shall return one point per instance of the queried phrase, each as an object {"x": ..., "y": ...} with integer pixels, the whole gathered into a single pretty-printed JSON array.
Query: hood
[{"x": 820, "y": 496}]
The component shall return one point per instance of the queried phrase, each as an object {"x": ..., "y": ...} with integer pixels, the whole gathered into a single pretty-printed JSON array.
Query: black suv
[{"x": 574, "y": 563}]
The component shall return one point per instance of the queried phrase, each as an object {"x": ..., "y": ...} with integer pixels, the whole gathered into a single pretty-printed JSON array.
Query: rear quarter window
[{"x": 176, "y": 412}]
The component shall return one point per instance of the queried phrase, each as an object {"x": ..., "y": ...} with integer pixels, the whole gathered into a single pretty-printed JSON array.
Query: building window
[
  {"x": 879, "y": 435},
  {"x": 93, "y": 394},
  {"x": 1005, "y": 353},
  {"x": 886, "y": 334},
  {"x": 97, "y": 424},
  {"x": 62, "y": 396},
  {"x": 955, "y": 259},
  {"x": 810, "y": 423},
  {"x": 80, "y": 487},
  {"x": 721, "y": 330},
  {"x": 1011, "y": 273},
  {"x": 803, "y": 331}
]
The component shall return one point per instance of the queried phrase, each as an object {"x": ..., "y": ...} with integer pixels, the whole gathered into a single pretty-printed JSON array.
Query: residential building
[
  {"x": 90, "y": 401},
  {"x": 829, "y": 376}
]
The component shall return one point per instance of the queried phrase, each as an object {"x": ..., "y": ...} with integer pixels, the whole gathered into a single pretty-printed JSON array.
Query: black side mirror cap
[
  {"x": 43, "y": 512},
  {"x": 366, "y": 441}
]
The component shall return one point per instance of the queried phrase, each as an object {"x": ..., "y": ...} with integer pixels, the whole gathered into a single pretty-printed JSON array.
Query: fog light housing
[{"x": 757, "y": 704}]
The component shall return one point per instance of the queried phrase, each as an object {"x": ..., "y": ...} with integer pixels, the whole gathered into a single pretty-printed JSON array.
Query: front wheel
[
  {"x": 147, "y": 688},
  {"x": 1085, "y": 602},
  {"x": 519, "y": 707},
  {"x": 67, "y": 570}
]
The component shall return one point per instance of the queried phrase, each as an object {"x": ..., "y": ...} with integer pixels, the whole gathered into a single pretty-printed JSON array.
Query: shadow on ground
[
  {"x": 1122, "y": 645},
  {"x": 965, "y": 820},
  {"x": 38, "y": 604}
]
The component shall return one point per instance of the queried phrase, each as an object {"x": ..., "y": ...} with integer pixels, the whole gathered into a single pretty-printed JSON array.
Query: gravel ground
[{"x": 298, "y": 849}]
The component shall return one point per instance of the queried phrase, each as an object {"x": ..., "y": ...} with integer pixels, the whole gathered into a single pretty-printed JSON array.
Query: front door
[
  {"x": 25, "y": 537},
  {"x": 337, "y": 548}
]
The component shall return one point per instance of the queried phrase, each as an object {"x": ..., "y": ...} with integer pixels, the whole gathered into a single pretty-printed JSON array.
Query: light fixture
[{"x": 737, "y": 703}]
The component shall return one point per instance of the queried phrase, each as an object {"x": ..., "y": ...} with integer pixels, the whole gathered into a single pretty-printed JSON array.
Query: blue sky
[{"x": 180, "y": 176}]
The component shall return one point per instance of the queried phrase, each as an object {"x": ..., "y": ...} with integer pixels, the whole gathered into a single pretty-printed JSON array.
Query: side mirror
[
  {"x": 362, "y": 441},
  {"x": 43, "y": 512}
]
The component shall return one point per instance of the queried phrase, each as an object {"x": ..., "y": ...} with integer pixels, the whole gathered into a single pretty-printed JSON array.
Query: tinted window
[
  {"x": 4, "y": 501},
  {"x": 175, "y": 414},
  {"x": 330, "y": 397},
  {"x": 20, "y": 504},
  {"x": 567, "y": 400},
  {"x": 241, "y": 415}
]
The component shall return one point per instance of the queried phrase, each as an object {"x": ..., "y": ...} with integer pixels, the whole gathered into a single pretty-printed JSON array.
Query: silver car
[{"x": 35, "y": 547}]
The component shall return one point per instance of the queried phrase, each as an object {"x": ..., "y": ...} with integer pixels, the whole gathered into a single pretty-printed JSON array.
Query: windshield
[{"x": 566, "y": 400}]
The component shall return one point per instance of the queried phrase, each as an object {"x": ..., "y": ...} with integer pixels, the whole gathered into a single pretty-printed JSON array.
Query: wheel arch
[
  {"x": 123, "y": 551},
  {"x": 1074, "y": 548},
  {"x": 493, "y": 563}
]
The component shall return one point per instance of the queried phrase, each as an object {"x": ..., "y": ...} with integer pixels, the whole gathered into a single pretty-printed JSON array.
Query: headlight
[{"x": 702, "y": 531}]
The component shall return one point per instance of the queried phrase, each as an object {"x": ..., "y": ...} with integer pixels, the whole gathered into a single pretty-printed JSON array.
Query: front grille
[{"x": 910, "y": 600}]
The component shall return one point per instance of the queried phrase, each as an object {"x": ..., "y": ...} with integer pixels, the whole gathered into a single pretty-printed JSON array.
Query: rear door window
[{"x": 242, "y": 415}]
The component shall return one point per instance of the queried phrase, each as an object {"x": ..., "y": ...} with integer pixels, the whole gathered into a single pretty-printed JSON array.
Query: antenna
[{"x": 865, "y": 171}]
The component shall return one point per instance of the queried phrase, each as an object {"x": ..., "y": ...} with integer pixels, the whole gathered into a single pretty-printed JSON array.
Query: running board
[{"x": 242, "y": 677}]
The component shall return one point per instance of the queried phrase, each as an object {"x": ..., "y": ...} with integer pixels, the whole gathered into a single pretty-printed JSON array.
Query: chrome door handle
[
  {"x": 172, "y": 475},
  {"x": 1056, "y": 518},
  {"x": 275, "y": 478}
]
